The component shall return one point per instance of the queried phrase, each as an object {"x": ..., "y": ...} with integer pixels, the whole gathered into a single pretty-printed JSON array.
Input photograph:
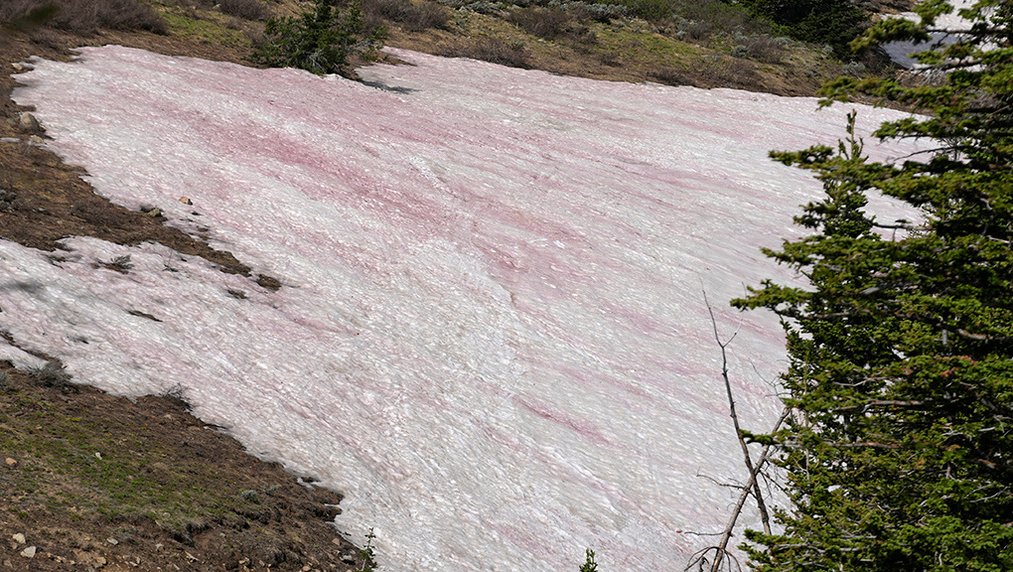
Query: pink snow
[{"x": 491, "y": 334}]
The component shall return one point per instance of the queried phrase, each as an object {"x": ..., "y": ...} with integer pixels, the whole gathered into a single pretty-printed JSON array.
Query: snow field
[{"x": 491, "y": 335}]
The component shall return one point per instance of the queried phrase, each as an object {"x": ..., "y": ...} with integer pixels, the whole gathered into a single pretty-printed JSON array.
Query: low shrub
[
  {"x": 599, "y": 12},
  {"x": 732, "y": 72},
  {"x": 245, "y": 9},
  {"x": 696, "y": 29},
  {"x": 7, "y": 201},
  {"x": 81, "y": 16},
  {"x": 549, "y": 23},
  {"x": 51, "y": 375},
  {"x": 414, "y": 17},
  {"x": 763, "y": 48},
  {"x": 719, "y": 72},
  {"x": 177, "y": 394},
  {"x": 672, "y": 76},
  {"x": 708, "y": 18},
  {"x": 487, "y": 7},
  {"x": 493, "y": 50},
  {"x": 650, "y": 10}
]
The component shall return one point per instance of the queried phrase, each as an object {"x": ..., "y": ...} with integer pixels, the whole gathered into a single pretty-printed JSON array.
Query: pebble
[
  {"x": 11, "y": 462},
  {"x": 111, "y": 540},
  {"x": 9, "y": 140},
  {"x": 29, "y": 552},
  {"x": 19, "y": 538}
]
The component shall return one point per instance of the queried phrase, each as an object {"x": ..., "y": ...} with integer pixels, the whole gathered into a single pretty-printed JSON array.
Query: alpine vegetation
[{"x": 322, "y": 40}]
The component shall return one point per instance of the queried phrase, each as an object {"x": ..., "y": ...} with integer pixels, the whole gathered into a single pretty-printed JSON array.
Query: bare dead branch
[
  {"x": 764, "y": 516},
  {"x": 723, "y": 559}
]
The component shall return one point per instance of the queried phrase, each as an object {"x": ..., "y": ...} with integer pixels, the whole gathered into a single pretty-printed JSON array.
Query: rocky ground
[{"x": 90, "y": 481}]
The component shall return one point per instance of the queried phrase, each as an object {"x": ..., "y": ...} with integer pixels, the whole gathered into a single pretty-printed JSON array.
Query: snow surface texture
[{"x": 491, "y": 335}]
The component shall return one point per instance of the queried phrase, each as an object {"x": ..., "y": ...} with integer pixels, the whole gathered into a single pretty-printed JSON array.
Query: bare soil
[{"x": 100, "y": 482}]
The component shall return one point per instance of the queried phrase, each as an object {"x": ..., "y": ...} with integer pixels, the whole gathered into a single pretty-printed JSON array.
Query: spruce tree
[
  {"x": 899, "y": 450},
  {"x": 321, "y": 40}
]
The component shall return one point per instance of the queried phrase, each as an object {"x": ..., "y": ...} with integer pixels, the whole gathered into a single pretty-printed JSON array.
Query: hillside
[{"x": 280, "y": 522}]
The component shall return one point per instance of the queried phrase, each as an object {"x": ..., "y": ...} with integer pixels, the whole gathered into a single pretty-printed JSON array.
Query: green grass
[
  {"x": 640, "y": 44},
  {"x": 130, "y": 478},
  {"x": 205, "y": 26}
]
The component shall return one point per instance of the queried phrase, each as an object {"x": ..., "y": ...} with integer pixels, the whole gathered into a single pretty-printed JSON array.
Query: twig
[{"x": 761, "y": 506}]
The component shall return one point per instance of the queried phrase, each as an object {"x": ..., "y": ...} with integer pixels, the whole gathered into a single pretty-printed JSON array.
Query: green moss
[
  {"x": 639, "y": 44},
  {"x": 83, "y": 466},
  {"x": 208, "y": 27}
]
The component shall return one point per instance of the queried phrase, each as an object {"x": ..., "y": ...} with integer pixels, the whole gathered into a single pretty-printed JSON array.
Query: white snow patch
[{"x": 491, "y": 335}]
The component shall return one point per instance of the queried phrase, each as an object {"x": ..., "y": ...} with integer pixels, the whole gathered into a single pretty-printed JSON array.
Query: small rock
[
  {"x": 111, "y": 540},
  {"x": 28, "y": 122},
  {"x": 9, "y": 140},
  {"x": 348, "y": 558},
  {"x": 100, "y": 561},
  {"x": 19, "y": 538},
  {"x": 98, "y": 455},
  {"x": 154, "y": 213},
  {"x": 20, "y": 67},
  {"x": 29, "y": 552},
  {"x": 336, "y": 541},
  {"x": 185, "y": 200},
  {"x": 11, "y": 462}
]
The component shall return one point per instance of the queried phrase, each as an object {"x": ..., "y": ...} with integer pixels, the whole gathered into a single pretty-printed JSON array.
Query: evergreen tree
[
  {"x": 831, "y": 22},
  {"x": 320, "y": 40},
  {"x": 899, "y": 451}
]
